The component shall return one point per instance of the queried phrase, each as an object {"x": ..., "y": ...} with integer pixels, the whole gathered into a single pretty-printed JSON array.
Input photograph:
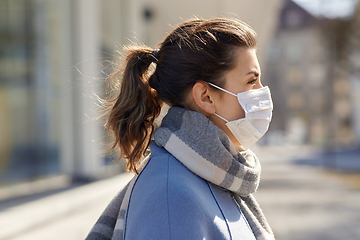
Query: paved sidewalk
[
  {"x": 301, "y": 202},
  {"x": 67, "y": 215},
  {"x": 305, "y": 202}
]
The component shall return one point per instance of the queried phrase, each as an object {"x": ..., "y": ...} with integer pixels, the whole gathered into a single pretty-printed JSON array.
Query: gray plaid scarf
[{"x": 206, "y": 151}]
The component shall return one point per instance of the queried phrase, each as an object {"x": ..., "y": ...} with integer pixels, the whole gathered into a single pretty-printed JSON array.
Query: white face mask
[{"x": 258, "y": 107}]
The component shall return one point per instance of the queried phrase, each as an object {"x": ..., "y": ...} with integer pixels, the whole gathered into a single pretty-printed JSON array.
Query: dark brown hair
[{"x": 197, "y": 50}]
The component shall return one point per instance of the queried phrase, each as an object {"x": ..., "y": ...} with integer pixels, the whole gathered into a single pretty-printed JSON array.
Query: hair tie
[{"x": 155, "y": 55}]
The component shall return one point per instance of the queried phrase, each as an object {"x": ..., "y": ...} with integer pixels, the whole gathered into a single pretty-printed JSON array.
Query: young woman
[{"x": 198, "y": 181}]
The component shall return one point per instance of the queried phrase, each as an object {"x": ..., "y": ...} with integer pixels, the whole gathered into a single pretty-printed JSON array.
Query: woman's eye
[{"x": 252, "y": 81}]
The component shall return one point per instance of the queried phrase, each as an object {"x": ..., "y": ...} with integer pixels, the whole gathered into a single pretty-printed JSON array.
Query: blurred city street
[
  {"x": 65, "y": 215},
  {"x": 57, "y": 59},
  {"x": 301, "y": 202}
]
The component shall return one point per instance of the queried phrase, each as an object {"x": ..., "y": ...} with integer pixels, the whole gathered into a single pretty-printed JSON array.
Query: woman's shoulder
[
  {"x": 164, "y": 173},
  {"x": 168, "y": 198}
]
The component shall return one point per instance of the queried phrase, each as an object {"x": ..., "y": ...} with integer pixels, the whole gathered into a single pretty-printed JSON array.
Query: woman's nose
[{"x": 259, "y": 85}]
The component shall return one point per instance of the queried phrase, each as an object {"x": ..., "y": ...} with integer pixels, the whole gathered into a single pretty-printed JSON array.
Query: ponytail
[{"x": 133, "y": 112}]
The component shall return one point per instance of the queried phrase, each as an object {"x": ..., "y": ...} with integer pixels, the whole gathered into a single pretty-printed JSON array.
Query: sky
[{"x": 329, "y": 8}]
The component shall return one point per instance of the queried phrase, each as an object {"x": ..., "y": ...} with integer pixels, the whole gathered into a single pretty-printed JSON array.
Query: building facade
[{"x": 309, "y": 76}]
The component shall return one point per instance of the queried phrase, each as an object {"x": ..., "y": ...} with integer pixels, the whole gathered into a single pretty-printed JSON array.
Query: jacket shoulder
[{"x": 168, "y": 201}]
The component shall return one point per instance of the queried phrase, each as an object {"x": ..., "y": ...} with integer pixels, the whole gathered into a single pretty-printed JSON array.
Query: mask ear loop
[
  {"x": 221, "y": 117},
  {"x": 222, "y": 89}
]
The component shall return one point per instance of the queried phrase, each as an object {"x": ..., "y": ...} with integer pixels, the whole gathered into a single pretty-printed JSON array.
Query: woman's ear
[{"x": 203, "y": 97}]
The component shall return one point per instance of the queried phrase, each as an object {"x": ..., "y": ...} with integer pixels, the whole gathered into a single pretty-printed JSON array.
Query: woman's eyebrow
[{"x": 255, "y": 72}]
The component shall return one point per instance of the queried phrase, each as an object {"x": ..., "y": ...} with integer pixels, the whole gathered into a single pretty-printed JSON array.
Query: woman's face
[{"x": 245, "y": 76}]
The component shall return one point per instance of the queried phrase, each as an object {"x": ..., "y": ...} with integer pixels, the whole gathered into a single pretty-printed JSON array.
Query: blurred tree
[
  {"x": 342, "y": 39},
  {"x": 354, "y": 68}
]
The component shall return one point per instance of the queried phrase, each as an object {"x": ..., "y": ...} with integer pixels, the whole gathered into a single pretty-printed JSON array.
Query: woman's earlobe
[{"x": 203, "y": 97}]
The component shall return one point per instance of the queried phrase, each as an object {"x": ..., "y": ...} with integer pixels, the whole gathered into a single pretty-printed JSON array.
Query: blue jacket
[{"x": 168, "y": 201}]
